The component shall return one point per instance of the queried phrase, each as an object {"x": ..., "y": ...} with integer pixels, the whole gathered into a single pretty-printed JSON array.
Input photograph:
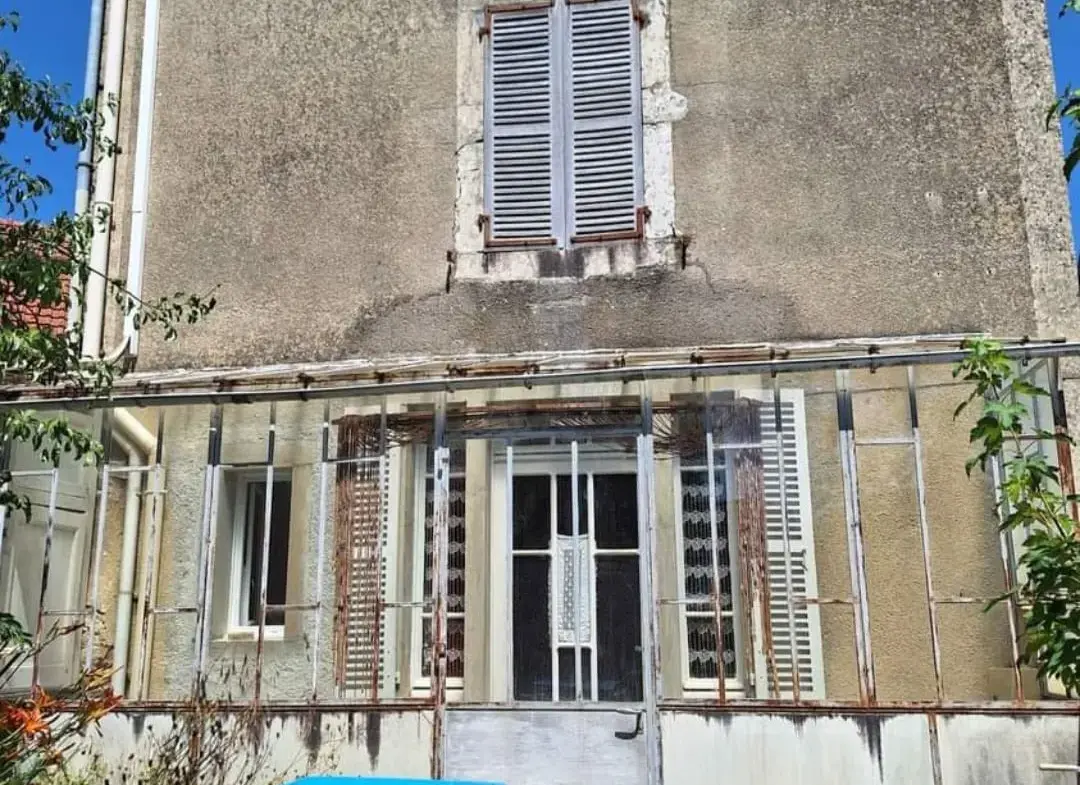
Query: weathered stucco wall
[{"x": 828, "y": 177}]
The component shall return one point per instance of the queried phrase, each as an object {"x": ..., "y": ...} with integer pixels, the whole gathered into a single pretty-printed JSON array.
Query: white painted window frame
[
  {"x": 421, "y": 685},
  {"x": 760, "y": 688},
  {"x": 732, "y": 685},
  {"x": 540, "y": 460},
  {"x": 239, "y": 572}
]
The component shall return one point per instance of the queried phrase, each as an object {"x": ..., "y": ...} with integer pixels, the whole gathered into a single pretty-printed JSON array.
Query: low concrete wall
[
  {"x": 570, "y": 747},
  {"x": 291, "y": 745},
  {"x": 865, "y": 749}
]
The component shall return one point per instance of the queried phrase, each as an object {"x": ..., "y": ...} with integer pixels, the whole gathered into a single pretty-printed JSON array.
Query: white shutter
[
  {"x": 806, "y": 640},
  {"x": 518, "y": 135},
  {"x": 24, "y": 550},
  {"x": 605, "y": 106}
]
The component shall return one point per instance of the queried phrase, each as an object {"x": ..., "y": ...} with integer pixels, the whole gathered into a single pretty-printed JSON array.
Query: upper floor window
[{"x": 563, "y": 124}]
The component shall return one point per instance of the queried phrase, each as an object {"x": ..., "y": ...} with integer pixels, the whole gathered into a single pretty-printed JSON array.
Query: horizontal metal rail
[{"x": 41, "y": 400}]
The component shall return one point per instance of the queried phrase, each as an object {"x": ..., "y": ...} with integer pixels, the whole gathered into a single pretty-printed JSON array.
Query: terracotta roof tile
[{"x": 33, "y": 315}]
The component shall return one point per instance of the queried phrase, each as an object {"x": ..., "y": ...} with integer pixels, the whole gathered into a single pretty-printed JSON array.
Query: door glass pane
[
  {"x": 565, "y": 507},
  {"x": 618, "y": 628},
  {"x": 567, "y": 685},
  {"x": 616, "y": 510},
  {"x": 532, "y": 512},
  {"x": 532, "y": 629}
]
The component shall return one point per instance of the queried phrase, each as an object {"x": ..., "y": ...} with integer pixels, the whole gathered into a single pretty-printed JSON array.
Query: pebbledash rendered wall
[{"x": 813, "y": 171}]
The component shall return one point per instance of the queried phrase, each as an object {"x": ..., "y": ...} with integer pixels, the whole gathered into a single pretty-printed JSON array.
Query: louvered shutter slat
[
  {"x": 604, "y": 98},
  {"x": 519, "y": 130},
  {"x": 804, "y": 640}
]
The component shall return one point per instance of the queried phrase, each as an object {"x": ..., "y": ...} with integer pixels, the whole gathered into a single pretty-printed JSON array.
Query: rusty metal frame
[
  {"x": 1008, "y": 569},
  {"x": 924, "y": 534},
  {"x": 264, "y": 566},
  {"x": 456, "y": 374},
  {"x": 320, "y": 547},
  {"x": 95, "y": 568},
  {"x": 858, "y": 601},
  {"x": 714, "y": 557},
  {"x": 864, "y": 657},
  {"x": 148, "y": 595},
  {"x": 509, "y": 570},
  {"x": 50, "y": 527},
  {"x": 575, "y": 530},
  {"x": 650, "y": 617},
  {"x": 207, "y": 542},
  {"x": 440, "y": 561}
]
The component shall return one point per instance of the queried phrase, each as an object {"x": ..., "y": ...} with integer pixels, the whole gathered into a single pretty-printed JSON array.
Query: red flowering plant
[{"x": 39, "y": 730}]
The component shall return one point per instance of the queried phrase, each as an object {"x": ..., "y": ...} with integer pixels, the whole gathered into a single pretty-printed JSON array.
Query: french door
[{"x": 575, "y": 589}]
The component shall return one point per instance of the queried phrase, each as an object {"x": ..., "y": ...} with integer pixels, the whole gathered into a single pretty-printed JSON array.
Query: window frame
[
  {"x": 735, "y": 684},
  {"x": 239, "y": 573},
  {"x": 564, "y": 235},
  {"x": 550, "y": 460},
  {"x": 420, "y": 686}
]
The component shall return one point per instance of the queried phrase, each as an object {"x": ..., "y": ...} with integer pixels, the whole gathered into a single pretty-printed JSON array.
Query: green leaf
[{"x": 1072, "y": 159}]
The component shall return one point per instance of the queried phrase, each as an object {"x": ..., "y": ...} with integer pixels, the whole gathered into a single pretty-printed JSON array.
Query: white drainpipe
[
  {"x": 86, "y": 155},
  {"x": 138, "y": 442},
  {"x": 140, "y": 195},
  {"x": 94, "y": 299}
]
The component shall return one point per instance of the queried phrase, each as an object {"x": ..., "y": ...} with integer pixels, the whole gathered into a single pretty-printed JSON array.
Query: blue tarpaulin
[{"x": 340, "y": 780}]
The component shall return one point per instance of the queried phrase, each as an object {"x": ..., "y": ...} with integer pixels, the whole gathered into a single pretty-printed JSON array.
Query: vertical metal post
[
  {"x": 320, "y": 547},
  {"x": 924, "y": 531},
  {"x": 714, "y": 555},
  {"x": 650, "y": 619},
  {"x": 206, "y": 550},
  {"x": 264, "y": 564},
  {"x": 382, "y": 478},
  {"x": 50, "y": 527},
  {"x": 509, "y": 527},
  {"x": 5, "y": 466},
  {"x": 138, "y": 688},
  {"x": 555, "y": 588},
  {"x": 857, "y": 562},
  {"x": 789, "y": 588},
  {"x": 440, "y": 562},
  {"x": 1008, "y": 568},
  {"x": 575, "y": 522},
  {"x": 95, "y": 569},
  {"x": 1066, "y": 479},
  {"x": 935, "y": 748}
]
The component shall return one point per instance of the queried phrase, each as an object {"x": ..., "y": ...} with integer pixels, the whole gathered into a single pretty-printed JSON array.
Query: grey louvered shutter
[
  {"x": 521, "y": 202},
  {"x": 807, "y": 634},
  {"x": 605, "y": 98}
]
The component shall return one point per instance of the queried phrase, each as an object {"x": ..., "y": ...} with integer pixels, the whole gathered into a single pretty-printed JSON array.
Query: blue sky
[
  {"x": 52, "y": 42},
  {"x": 1065, "y": 44}
]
